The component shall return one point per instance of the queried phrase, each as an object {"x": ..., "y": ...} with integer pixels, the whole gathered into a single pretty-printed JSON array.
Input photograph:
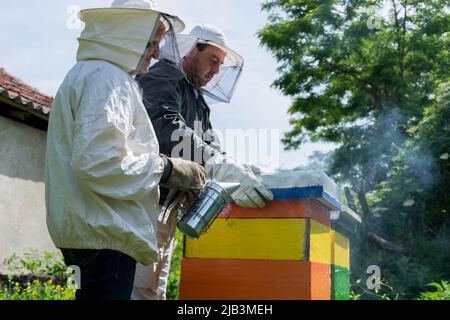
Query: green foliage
[
  {"x": 386, "y": 292},
  {"x": 36, "y": 290},
  {"x": 339, "y": 69},
  {"x": 442, "y": 292},
  {"x": 173, "y": 285},
  {"x": 34, "y": 263},
  {"x": 380, "y": 91},
  {"x": 38, "y": 263},
  {"x": 422, "y": 165},
  {"x": 411, "y": 206}
]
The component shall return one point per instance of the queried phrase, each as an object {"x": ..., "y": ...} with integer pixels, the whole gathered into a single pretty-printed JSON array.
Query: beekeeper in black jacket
[{"x": 175, "y": 99}]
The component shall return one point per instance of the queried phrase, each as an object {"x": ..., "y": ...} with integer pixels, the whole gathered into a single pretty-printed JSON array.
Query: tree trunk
[
  {"x": 378, "y": 241},
  {"x": 364, "y": 205},
  {"x": 350, "y": 200}
]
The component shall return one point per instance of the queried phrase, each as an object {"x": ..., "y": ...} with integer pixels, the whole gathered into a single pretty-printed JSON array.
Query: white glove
[{"x": 252, "y": 193}]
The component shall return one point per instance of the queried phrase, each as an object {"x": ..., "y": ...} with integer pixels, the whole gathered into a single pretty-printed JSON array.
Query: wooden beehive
[{"x": 287, "y": 250}]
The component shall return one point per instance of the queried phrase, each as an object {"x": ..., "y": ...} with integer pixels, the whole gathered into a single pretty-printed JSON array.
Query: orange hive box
[{"x": 228, "y": 279}]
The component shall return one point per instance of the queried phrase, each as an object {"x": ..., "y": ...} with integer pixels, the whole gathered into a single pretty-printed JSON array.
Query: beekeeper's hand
[
  {"x": 252, "y": 193},
  {"x": 186, "y": 176}
]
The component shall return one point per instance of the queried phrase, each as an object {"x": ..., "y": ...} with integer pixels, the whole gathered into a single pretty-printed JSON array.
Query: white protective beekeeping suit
[{"x": 102, "y": 163}]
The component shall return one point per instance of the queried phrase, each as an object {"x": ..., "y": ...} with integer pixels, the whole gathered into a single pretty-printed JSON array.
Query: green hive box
[{"x": 340, "y": 283}]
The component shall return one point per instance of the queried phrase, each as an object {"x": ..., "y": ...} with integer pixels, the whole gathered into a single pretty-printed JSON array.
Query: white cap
[
  {"x": 209, "y": 33},
  {"x": 134, "y": 4}
]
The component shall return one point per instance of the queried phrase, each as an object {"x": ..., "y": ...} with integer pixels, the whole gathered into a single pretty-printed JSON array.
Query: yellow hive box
[
  {"x": 271, "y": 239},
  {"x": 340, "y": 250},
  {"x": 319, "y": 243}
]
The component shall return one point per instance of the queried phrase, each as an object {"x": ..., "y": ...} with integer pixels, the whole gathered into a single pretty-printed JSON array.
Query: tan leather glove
[{"x": 187, "y": 176}]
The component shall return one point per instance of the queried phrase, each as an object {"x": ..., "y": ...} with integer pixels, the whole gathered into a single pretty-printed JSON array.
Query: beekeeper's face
[
  {"x": 204, "y": 62},
  {"x": 153, "y": 51}
]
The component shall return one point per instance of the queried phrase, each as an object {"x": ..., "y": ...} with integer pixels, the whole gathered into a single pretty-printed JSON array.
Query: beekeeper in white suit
[
  {"x": 177, "y": 103},
  {"x": 103, "y": 166}
]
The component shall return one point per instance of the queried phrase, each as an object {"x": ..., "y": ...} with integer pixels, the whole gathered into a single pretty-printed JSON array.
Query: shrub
[
  {"x": 442, "y": 292},
  {"x": 173, "y": 285},
  {"x": 36, "y": 290},
  {"x": 37, "y": 276}
]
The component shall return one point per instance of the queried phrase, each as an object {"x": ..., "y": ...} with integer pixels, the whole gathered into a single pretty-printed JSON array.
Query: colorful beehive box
[
  {"x": 286, "y": 250},
  {"x": 343, "y": 224}
]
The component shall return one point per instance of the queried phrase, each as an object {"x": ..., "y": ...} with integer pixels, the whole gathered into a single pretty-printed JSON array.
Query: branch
[
  {"x": 385, "y": 244},
  {"x": 350, "y": 200},
  {"x": 364, "y": 205},
  {"x": 405, "y": 16},
  {"x": 399, "y": 31},
  {"x": 346, "y": 71}
]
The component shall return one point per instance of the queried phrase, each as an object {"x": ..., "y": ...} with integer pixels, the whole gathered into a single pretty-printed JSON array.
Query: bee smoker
[{"x": 198, "y": 217}]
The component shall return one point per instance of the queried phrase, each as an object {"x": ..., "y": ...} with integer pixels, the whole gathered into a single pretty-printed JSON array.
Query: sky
[{"x": 39, "y": 42}]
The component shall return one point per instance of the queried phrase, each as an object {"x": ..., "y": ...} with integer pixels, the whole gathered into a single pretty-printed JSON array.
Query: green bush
[
  {"x": 442, "y": 292},
  {"x": 38, "y": 263},
  {"x": 173, "y": 285},
  {"x": 36, "y": 290},
  {"x": 360, "y": 292},
  {"x": 58, "y": 284}
]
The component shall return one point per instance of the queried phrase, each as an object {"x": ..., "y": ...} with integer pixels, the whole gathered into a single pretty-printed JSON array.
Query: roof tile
[{"x": 15, "y": 89}]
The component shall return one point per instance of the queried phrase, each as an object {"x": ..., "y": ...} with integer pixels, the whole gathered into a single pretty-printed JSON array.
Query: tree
[
  {"x": 339, "y": 70},
  {"x": 412, "y": 206},
  {"x": 356, "y": 84},
  {"x": 362, "y": 82}
]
